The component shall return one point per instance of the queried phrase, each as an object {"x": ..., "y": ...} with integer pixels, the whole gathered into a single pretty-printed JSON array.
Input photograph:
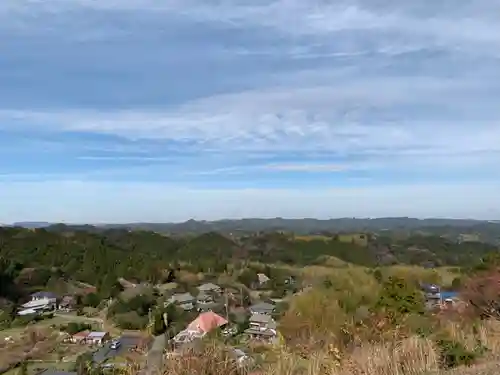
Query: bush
[
  {"x": 131, "y": 320},
  {"x": 91, "y": 300},
  {"x": 455, "y": 354},
  {"x": 75, "y": 327},
  {"x": 400, "y": 298},
  {"x": 22, "y": 321},
  {"x": 5, "y": 319},
  {"x": 482, "y": 292}
]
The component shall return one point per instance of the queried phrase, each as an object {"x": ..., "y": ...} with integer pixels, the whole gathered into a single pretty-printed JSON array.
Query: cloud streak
[{"x": 265, "y": 94}]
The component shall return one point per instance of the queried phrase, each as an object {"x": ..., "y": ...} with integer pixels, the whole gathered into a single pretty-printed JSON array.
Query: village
[
  {"x": 59, "y": 336},
  {"x": 53, "y": 320}
]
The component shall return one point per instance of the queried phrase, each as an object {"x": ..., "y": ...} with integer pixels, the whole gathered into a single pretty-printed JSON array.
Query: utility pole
[{"x": 227, "y": 305}]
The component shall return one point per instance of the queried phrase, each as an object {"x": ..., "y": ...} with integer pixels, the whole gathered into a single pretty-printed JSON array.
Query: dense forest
[{"x": 100, "y": 257}]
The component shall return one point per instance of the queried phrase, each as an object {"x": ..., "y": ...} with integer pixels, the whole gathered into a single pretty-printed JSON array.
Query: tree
[
  {"x": 399, "y": 298},
  {"x": 482, "y": 292},
  {"x": 84, "y": 364},
  {"x": 23, "y": 368},
  {"x": 91, "y": 299},
  {"x": 248, "y": 277}
]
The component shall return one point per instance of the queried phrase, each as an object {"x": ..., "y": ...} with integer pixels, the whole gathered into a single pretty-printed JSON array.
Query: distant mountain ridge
[{"x": 294, "y": 225}]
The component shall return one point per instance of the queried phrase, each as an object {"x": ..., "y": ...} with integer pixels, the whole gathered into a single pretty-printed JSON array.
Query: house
[
  {"x": 204, "y": 298},
  {"x": 210, "y": 287},
  {"x": 203, "y": 324},
  {"x": 40, "y": 301},
  {"x": 211, "y": 306},
  {"x": 262, "y": 279},
  {"x": 206, "y": 322},
  {"x": 67, "y": 303},
  {"x": 185, "y": 337},
  {"x": 261, "y": 327},
  {"x": 261, "y": 321},
  {"x": 432, "y": 294},
  {"x": 262, "y": 308},
  {"x": 185, "y": 300},
  {"x": 80, "y": 337},
  {"x": 97, "y": 338}
]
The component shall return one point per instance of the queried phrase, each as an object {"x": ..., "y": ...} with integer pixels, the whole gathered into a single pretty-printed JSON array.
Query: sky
[{"x": 166, "y": 110}]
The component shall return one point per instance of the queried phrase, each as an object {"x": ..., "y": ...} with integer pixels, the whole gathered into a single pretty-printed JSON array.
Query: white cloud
[
  {"x": 371, "y": 117},
  {"x": 464, "y": 25},
  {"x": 79, "y": 201}
]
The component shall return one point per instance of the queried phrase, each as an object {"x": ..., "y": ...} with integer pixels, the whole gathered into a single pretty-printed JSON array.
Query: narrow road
[{"x": 154, "y": 358}]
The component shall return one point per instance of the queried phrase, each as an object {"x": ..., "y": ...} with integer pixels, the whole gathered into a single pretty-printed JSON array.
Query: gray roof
[
  {"x": 262, "y": 306},
  {"x": 267, "y": 332},
  {"x": 43, "y": 295},
  {"x": 261, "y": 318},
  {"x": 182, "y": 298},
  {"x": 208, "y": 286},
  {"x": 202, "y": 296}
]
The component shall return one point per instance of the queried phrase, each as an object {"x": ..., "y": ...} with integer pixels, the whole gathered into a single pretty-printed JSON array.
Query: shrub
[
  {"x": 400, "y": 298},
  {"x": 74, "y": 327},
  {"x": 131, "y": 320},
  {"x": 482, "y": 291},
  {"x": 454, "y": 354}
]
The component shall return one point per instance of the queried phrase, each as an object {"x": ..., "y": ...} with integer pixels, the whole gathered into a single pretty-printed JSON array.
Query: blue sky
[{"x": 165, "y": 110}]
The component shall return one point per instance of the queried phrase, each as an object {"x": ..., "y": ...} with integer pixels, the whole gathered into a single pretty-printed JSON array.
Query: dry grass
[
  {"x": 33, "y": 344},
  {"x": 212, "y": 360},
  {"x": 409, "y": 356}
]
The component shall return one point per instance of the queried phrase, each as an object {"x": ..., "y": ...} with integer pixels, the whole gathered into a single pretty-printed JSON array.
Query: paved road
[
  {"x": 106, "y": 352},
  {"x": 154, "y": 359}
]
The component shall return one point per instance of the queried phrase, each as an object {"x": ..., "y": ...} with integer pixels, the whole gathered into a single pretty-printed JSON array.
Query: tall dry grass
[{"x": 409, "y": 356}]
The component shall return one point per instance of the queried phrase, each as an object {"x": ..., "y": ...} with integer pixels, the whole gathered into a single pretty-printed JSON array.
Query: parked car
[{"x": 115, "y": 344}]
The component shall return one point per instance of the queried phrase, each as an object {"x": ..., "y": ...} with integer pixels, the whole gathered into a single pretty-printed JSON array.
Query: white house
[
  {"x": 97, "y": 338},
  {"x": 39, "y": 301}
]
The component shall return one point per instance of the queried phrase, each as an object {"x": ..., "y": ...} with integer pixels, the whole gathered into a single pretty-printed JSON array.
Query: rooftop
[
  {"x": 208, "y": 286},
  {"x": 261, "y": 318},
  {"x": 97, "y": 334},
  {"x": 262, "y": 306},
  {"x": 182, "y": 297},
  {"x": 81, "y": 334},
  {"x": 43, "y": 295}
]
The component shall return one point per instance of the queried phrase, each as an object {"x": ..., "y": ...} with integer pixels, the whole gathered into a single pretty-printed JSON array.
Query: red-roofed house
[{"x": 206, "y": 322}]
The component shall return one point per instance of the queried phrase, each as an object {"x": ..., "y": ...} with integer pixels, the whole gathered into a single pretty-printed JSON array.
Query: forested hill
[{"x": 96, "y": 254}]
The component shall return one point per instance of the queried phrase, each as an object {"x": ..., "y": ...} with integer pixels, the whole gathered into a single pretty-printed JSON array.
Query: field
[
  {"x": 38, "y": 344},
  {"x": 36, "y": 367},
  {"x": 312, "y": 238},
  {"x": 357, "y": 238},
  {"x": 41, "y": 343}
]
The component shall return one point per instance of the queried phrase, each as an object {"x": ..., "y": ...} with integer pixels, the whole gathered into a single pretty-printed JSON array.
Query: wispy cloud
[{"x": 264, "y": 94}]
